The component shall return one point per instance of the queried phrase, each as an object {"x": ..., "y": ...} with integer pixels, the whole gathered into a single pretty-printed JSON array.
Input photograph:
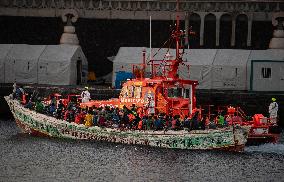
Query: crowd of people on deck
[{"x": 123, "y": 118}]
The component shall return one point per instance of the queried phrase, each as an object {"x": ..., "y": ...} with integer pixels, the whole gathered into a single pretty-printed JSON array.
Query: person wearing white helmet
[
  {"x": 273, "y": 109},
  {"x": 85, "y": 95}
]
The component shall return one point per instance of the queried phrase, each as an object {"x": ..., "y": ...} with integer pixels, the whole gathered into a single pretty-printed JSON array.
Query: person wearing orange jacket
[{"x": 140, "y": 125}]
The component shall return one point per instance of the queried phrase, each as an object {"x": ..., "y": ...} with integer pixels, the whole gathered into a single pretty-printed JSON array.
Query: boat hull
[
  {"x": 231, "y": 139},
  {"x": 263, "y": 134}
]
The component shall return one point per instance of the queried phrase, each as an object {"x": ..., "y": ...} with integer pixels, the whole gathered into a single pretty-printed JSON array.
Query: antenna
[
  {"x": 177, "y": 33},
  {"x": 150, "y": 37},
  {"x": 176, "y": 36},
  {"x": 151, "y": 66}
]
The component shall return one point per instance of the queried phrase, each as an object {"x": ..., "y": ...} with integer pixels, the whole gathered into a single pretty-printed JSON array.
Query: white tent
[
  {"x": 21, "y": 63},
  {"x": 4, "y": 50},
  {"x": 200, "y": 62},
  {"x": 62, "y": 65},
  {"x": 43, "y": 64},
  {"x": 266, "y": 70},
  {"x": 125, "y": 58},
  {"x": 229, "y": 69},
  {"x": 223, "y": 69}
]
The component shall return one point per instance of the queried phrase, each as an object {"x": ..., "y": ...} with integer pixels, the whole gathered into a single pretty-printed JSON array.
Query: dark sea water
[{"x": 27, "y": 158}]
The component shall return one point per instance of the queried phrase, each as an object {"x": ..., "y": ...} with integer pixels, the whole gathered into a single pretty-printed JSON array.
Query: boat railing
[
  {"x": 161, "y": 67},
  {"x": 138, "y": 70},
  {"x": 210, "y": 110},
  {"x": 158, "y": 68},
  {"x": 241, "y": 113}
]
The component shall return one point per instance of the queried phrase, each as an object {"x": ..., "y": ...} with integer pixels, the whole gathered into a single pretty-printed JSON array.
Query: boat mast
[
  {"x": 173, "y": 65},
  {"x": 151, "y": 65},
  {"x": 176, "y": 35}
]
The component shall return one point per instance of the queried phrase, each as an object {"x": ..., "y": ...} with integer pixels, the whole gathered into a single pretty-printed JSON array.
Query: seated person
[
  {"x": 29, "y": 105},
  {"x": 212, "y": 125}
]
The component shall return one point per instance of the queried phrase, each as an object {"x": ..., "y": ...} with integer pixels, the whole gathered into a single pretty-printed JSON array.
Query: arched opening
[
  {"x": 225, "y": 31},
  {"x": 194, "y": 25},
  {"x": 241, "y": 31},
  {"x": 79, "y": 72},
  {"x": 261, "y": 34},
  {"x": 210, "y": 31}
]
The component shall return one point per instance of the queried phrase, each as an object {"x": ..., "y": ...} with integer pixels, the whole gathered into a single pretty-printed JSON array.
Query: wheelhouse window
[
  {"x": 178, "y": 92},
  {"x": 170, "y": 92},
  {"x": 266, "y": 72},
  {"x": 175, "y": 92},
  {"x": 186, "y": 93},
  {"x": 137, "y": 92},
  {"x": 124, "y": 92},
  {"x": 130, "y": 91}
]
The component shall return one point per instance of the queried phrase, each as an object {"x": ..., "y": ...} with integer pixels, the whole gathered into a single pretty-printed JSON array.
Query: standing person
[
  {"x": 19, "y": 93},
  {"x": 221, "y": 120},
  {"x": 52, "y": 109},
  {"x": 30, "y": 104},
  {"x": 53, "y": 100},
  {"x": 67, "y": 115},
  {"x": 101, "y": 120},
  {"x": 95, "y": 118},
  {"x": 194, "y": 121},
  {"x": 174, "y": 123},
  {"x": 115, "y": 118},
  {"x": 273, "y": 109},
  {"x": 39, "y": 107},
  {"x": 85, "y": 95},
  {"x": 228, "y": 119},
  {"x": 140, "y": 125},
  {"x": 157, "y": 123},
  {"x": 168, "y": 124},
  {"x": 14, "y": 90},
  {"x": 78, "y": 116},
  {"x": 150, "y": 122},
  {"x": 125, "y": 120},
  {"x": 144, "y": 122},
  {"x": 202, "y": 123},
  {"x": 89, "y": 118},
  {"x": 59, "y": 110},
  {"x": 150, "y": 102}
]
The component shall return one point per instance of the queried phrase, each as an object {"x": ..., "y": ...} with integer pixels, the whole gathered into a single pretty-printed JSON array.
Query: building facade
[{"x": 218, "y": 23}]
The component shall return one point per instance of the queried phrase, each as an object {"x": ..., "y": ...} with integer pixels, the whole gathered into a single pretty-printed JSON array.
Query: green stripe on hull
[{"x": 183, "y": 141}]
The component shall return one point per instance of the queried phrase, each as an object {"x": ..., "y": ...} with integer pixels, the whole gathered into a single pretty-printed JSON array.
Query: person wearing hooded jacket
[
  {"x": 89, "y": 119},
  {"x": 273, "y": 109}
]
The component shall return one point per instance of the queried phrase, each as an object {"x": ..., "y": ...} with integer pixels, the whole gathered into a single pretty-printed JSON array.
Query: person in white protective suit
[
  {"x": 150, "y": 103},
  {"x": 273, "y": 109},
  {"x": 85, "y": 95}
]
